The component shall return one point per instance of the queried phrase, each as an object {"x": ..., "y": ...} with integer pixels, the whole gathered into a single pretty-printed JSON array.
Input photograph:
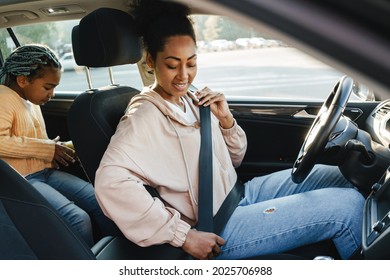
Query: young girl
[
  {"x": 157, "y": 144},
  {"x": 28, "y": 78}
]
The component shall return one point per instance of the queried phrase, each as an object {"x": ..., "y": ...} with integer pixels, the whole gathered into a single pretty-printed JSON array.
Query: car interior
[
  {"x": 105, "y": 38},
  {"x": 105, "y": 107}
]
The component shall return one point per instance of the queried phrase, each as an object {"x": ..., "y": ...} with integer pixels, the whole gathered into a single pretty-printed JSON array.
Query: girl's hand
[
  {"x": 218, "y": 106},
  {"x": 62, "y": 155}
]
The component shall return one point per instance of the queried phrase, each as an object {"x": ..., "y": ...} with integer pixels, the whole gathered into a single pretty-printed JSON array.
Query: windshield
[{"x": 241, "y": 62}]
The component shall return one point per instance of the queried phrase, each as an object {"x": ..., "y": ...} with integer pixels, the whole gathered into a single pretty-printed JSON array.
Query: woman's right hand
[{"x": 203, "y": 245}]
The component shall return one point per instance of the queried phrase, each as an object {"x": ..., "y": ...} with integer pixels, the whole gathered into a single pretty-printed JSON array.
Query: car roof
[
  {"x": 350, "y": 37},
  {"x": 21, "y": 12}
]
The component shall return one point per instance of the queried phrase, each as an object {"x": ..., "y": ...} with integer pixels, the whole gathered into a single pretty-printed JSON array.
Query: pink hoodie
[{"x": 155, "y": 146}]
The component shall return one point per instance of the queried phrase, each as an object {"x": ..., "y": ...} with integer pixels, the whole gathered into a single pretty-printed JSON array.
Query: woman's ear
[
  {"x": 149, "y": 61},
  {"x": 22, "y": 81}
]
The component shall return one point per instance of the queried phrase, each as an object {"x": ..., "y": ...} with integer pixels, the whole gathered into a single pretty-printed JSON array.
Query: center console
[{"x": 376, "y": 220}]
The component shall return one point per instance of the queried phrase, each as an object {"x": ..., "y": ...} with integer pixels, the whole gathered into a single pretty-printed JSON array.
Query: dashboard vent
[{"x": 382, "y": 111}]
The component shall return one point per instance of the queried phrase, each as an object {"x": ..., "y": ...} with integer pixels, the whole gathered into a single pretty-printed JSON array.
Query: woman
[
  {"x": 157, "y": 144},
  {"x": 28, "y": 77}
]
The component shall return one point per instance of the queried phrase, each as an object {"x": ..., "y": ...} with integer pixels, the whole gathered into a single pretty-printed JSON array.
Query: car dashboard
[
  {"x": 376, "y": 220},
  {"x": 378, "y": 123},
  {"x": 376, "y": 215}
]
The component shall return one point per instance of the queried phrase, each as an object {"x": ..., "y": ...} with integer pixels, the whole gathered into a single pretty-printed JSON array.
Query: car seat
[
  {"x": 104, "y": 38},
  {"x": 30, "y": 228}
]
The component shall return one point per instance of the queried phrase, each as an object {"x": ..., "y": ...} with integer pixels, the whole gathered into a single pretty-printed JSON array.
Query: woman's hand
[
  {"x": 218, "y": 106},
  {"x": 203, "y": 245},
  {"x": 62, "y": 155}
]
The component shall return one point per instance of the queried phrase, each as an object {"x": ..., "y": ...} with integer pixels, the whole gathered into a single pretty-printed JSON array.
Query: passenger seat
[{"x": 104, "y": 38}]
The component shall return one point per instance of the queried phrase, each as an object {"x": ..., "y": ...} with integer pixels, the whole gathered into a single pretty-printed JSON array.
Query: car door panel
[
  {"x": 276, "y": 131},
  {"x": 55, "y": 114}
]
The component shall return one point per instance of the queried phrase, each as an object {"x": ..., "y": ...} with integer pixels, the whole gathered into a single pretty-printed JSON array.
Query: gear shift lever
[{"x": 355, "y": 145}]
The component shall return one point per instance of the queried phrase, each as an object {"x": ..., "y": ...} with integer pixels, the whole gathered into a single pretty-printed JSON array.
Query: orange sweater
[{"x": 24, "y": 143}]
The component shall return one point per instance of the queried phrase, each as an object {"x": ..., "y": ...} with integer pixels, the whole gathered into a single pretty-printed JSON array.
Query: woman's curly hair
[{"x": 158, "y": 20}]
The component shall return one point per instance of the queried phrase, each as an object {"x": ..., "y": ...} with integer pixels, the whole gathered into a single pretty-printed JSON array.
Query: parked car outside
[
  {"x": 68, "y": 63},
  {"x": 242, "y": 43}
]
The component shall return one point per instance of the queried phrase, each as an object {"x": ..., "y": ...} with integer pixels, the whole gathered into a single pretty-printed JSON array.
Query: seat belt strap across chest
[
  {"x": 206, "y": 221},
  {"x": 205, "y": 197}
]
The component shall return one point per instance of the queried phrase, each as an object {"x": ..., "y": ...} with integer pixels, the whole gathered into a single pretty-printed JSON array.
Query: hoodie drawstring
[{"x": 185, "y": 162}]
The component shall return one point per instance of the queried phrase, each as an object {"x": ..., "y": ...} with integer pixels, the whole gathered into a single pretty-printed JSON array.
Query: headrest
[
  {"x": 106, "y": 37},
  {"x": 76, "y": 46}
]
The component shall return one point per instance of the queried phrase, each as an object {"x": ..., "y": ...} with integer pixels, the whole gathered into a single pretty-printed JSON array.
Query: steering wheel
[{"x": 324, "y": 123}]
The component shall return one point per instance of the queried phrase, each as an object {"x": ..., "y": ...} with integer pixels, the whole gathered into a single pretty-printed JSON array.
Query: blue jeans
[
  {"x": 75, "y": 201},
  {"x": 277, "y": 215}
]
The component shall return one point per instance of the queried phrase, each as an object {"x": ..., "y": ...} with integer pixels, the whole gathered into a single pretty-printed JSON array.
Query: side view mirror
[{"x": 362, "y": 92}]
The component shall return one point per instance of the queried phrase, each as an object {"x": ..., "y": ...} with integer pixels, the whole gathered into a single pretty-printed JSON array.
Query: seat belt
[
  {"x": 205, "y": 190},
  {"x": 206, "y": 222},
  {"x": 228, "y": 206}
]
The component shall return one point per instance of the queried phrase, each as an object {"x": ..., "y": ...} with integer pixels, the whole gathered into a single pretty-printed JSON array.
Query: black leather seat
[
  {"x": 30, "y": 228},
  {"x": 104, "y": 38},
  {"x": 92, "y": 121}
]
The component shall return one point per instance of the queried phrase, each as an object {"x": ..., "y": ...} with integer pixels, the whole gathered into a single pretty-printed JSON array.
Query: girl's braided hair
[{"x": 28, "y": 60}]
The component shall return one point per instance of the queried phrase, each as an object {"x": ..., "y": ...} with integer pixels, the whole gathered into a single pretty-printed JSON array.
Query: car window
[
  {"x": 232, "y": 58},
  {"x": 58, "y": 36},
  {"x": 240, "y": 62}
]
